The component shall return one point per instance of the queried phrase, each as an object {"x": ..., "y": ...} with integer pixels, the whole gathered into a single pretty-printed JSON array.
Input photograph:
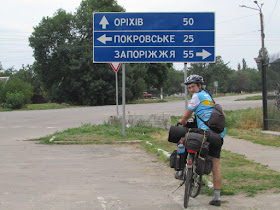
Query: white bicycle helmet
[{"x": 194, "y": 79}]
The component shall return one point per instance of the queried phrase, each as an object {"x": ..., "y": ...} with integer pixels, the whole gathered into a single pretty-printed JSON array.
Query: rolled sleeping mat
[
  {"x": 214, "y": 139},
  {"x": 176, "y": 133}
]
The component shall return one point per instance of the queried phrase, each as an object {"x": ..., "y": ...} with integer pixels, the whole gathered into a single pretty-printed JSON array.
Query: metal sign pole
[
  {"x": 117, "y": 93},
  {"x": 123, "y": 97},
  {"x": 186, "y": 90}
]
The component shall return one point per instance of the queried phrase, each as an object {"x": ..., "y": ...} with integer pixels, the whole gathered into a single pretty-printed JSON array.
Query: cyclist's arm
[
  {"x": 191, "y": 108},
  {"x": 185, "y": 117}
]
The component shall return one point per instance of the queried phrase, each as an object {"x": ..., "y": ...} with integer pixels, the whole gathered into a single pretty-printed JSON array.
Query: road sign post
[
  {"x": 116, "y": 67},
  {"x": 123, "y": 98},
  {"x": 153, "y": 37}
]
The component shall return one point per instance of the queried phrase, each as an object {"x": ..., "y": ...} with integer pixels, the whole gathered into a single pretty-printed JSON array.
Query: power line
[
  {"x": 239, "y": 18},
  {"x": 272, "y": 12}
]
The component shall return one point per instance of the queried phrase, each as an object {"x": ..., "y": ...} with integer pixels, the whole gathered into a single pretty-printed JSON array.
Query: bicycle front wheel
[{"x": 188, "y": 186}]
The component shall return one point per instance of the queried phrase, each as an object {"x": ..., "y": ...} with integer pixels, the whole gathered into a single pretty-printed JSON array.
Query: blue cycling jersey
[{"x": 202, "y": 104}]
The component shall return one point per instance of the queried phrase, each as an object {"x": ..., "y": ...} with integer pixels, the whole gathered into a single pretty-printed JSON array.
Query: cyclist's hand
[{"x": 180, "y": 121}]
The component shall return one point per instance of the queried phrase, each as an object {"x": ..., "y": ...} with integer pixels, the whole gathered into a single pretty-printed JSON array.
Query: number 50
[{"x": 188, "y": 21}]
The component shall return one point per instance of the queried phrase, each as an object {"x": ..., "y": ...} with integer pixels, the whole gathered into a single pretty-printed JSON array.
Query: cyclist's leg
[{"x": 217, "y": 175}]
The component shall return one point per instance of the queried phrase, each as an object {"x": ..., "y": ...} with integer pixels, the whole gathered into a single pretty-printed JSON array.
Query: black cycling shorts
[{"x": 215, "y": 151}]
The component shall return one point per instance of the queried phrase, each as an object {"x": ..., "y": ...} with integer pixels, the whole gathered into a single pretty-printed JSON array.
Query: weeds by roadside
[
  {"x": 250, "y": 98},
  {"x": 44, "y": 106},
  {"x": 247, "y": 124}
]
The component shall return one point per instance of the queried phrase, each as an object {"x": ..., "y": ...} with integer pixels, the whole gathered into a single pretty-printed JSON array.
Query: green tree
[
  {"x": 238, "y": 67},
  {"x": 8, "y": 72},
  {"x": 244, "y": 64},
  {"x": 273, "y": 74},
  {"x": 28, "y": 75},
  {"x": 218, "y": 71},
  {"x": 135, "y": 82},
  {"x": 156, "y": 75},
  {"x": 266, "y": 58},
  {"x": 174, "y": 80},
  {"x": 63, "y": 51}
]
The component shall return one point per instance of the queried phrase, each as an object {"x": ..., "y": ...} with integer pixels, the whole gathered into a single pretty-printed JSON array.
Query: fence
[{"x": 273, "y": 95}]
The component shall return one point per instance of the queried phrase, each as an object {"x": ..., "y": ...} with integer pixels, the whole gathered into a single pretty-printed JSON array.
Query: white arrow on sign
[
  {"x": 104, "y": 39},
  {"x": 204, "y": 54},
  {"x": 104, "y": 22}
]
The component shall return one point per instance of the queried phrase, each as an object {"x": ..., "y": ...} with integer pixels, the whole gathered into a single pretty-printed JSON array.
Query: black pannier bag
[
  {"x": 180, "y": 161},
  {"x": 204, "y": 165},
  {"x": 194, "y": 141},
  {"x": 197, "y": 142},
  {"x": 208, "y": 165},
  {"x": 172, "y": 159}
]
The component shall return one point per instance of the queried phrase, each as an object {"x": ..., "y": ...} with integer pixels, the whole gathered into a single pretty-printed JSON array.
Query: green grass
[
  {"x": 247, "y": 124},
  {"x": 239, "y": 174},
  {"x": 44, "y": 106},
  {"x": 99, "y": 134},
  {"x": 250, "y": 98}
]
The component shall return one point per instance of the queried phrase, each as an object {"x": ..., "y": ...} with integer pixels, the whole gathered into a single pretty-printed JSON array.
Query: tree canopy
[
  {"x": 63, "y": 51},
  {"x": 62, "y": 46}
]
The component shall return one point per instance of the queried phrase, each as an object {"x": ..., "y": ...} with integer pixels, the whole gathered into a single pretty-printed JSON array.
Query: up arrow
[
  {"x": 204, "y": 54},
  {"x": 104, "y": 22},
  {"x": 104, "y": 39}
]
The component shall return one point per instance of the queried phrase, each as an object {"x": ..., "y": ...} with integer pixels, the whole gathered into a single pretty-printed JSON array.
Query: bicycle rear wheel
[
  {"x": 196, "y": 185},
  {"x": 188, "y": 186}
]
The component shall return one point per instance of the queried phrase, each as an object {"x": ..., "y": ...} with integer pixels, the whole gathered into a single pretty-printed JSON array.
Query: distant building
[{"x": 4, "y": 79}]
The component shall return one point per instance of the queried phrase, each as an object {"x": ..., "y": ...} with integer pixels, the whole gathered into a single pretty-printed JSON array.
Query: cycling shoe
[{"x": 215, "y": 203}]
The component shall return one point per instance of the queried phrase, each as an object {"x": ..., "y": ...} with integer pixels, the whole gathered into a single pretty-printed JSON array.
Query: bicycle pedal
[{"x": 202, "y": 183}]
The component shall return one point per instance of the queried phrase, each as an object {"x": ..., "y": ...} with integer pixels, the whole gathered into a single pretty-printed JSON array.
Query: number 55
[{"x": 188, "y": 54}]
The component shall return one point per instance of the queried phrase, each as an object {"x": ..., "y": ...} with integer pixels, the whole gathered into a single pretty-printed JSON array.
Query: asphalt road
[
  {"x": 90, "y": 176},
  {"x": 20, "y": 125}
]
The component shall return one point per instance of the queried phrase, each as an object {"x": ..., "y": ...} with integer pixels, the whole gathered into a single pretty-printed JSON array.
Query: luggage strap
[
  {"x": 187, "y": 136},
  {"x": 202, "y": 144}
]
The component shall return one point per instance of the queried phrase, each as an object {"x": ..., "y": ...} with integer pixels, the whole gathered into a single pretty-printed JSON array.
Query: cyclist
[{"x": 202, "y": 104}]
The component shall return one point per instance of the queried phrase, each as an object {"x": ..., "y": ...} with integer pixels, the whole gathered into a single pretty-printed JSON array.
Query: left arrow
[
  {"x": 104, "y": 39},
  {"x": 104, "y": 22}
]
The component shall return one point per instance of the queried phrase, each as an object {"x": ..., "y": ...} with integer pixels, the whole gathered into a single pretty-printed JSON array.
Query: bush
[
  {"x": 14, "y": 100},
  {"x": 15, "y": 85},
  {"x": 2, "y": 84}
]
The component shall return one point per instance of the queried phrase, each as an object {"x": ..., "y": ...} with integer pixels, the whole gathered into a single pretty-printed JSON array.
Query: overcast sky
[{"x": 237, "y": 29}]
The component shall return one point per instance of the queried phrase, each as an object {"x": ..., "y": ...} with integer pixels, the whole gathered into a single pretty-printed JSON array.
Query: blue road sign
[{"x": 153, "y": 37}]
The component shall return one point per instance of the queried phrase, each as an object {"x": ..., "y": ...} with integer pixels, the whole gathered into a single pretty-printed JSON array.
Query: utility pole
[{"x": 263, "y": 67}]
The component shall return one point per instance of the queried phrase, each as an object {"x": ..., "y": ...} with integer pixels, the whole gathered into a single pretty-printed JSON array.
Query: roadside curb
[{"x": 272, "y": 133}]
